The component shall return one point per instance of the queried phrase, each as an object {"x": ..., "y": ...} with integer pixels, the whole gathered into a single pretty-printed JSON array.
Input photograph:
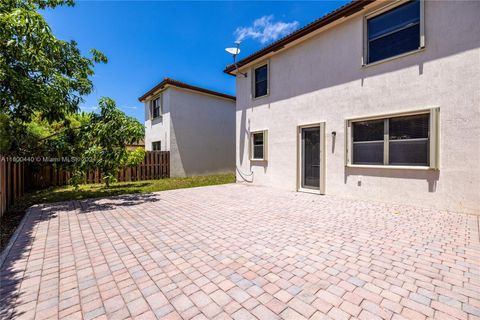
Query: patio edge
[{"x": 14, "y": 236}]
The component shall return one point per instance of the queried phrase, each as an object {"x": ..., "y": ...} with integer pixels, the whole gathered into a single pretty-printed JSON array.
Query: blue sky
[{"x": 146, "y": 41}]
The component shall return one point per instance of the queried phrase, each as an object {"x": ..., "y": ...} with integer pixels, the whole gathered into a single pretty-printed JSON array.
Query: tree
[
  {"x": 39, "y": 137},
  {"x": 39, "y": 74},
  {"x": 104, "y": 140},
  {"x": 42, "y": 82},
  {"x": 83, "y": 141}
]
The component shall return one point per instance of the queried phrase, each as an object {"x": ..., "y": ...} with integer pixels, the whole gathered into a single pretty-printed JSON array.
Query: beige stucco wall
[
  {"x": 198, "y": 130},
  {"x": 156, "y": 130},
  {"x": 202, "y": 133},
  {"x": 322, "y": 80}
]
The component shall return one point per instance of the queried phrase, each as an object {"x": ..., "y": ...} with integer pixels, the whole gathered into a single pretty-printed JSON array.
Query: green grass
[{"x": 13, "y": 216}]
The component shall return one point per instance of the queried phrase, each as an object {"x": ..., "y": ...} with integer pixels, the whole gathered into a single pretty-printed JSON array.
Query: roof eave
[
  {"x": 174, "y": 83},
  {"x": 152, "y": 91},
  {"x": 345, "y": 11}
]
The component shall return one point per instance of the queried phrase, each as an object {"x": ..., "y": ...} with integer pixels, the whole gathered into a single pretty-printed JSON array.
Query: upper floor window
[
  {"x": 156, "y": 145},
  {"x": 156, "y": 107},
  {"x": 403, "y": 140},
  {"x": 395, "y": 31},
  {"x": 261, "y": 81}
]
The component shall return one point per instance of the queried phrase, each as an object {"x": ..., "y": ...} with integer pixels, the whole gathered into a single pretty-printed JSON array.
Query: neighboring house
[
  {"x": 135, "y": 145},
  {"x": 196, "y": 125},
  {"x": 376, "y": 100}
]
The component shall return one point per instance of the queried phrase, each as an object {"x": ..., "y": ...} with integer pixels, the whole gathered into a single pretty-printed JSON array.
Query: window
[
  {"x": 261, "y": 81},
  {"x": 395, "y": 31},
  {"x": 408, "y": 140},
  {"x": 156, "y": 145},
  {"x": 368, "y": 142},
  {"x": 156, "y": 108},
  {"x": 258, "y": 145},
  {"x": 399, "y": 140}
]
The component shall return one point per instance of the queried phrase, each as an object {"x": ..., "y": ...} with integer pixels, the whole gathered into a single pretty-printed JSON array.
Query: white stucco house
[
  {"x": 195, "y": 124},
  {"x": 378, "y": 100}
]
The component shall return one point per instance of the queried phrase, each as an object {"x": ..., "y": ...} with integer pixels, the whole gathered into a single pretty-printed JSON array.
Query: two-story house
[
  {"x": 377, "y": 100},
  {"x": 195, "y": 124}
]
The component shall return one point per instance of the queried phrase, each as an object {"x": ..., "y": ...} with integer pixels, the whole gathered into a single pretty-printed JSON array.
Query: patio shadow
[
  {"x": 13, "y": 279},
  {"x": 103, "y": 204},
  {"x": 13, "y": 266}
]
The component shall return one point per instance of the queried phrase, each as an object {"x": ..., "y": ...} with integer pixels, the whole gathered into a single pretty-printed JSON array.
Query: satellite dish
[{"x": 233, "y": 51}]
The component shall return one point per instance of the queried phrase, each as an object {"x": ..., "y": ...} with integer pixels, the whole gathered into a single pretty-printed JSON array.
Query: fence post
[
  {"x": 2, "y": 186},
  {"x": 142, "y": 167},
  {"x": 155, "y": 165},
  {"x": 168, "y": 165},
  {"x": 12, "y": 184},
  {"x": 162, "y": 163}
]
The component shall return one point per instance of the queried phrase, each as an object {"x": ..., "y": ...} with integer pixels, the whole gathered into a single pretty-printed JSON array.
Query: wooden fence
[
  {"x": 11, "y": 183},
  {"x": 155, "y": 166},
  {"x": 15, "y": 177}
]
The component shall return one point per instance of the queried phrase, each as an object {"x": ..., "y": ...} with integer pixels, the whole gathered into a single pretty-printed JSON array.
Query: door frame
[{"x": 321, "y": 126}]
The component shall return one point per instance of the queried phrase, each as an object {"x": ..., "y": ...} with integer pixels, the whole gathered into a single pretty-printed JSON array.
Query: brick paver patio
[{"x": 241, "y": 252}]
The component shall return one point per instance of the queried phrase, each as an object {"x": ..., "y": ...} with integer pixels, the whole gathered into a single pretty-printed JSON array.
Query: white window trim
[
  {"x": 267, "y": 63},
  {"x": 378, "y": 12},
  {"x": 265, "y": 145},
  {"x": 434, "y": 136},
  {"x": 323, "y": 160},
  {"x": 160, "y": 116}
]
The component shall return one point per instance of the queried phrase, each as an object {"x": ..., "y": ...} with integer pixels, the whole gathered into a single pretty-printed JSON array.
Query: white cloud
[{"x": 265, "y": 30}]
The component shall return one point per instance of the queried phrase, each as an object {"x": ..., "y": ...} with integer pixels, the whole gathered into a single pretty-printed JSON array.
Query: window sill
[
  {"x": 258, "y": 160},
  {"x": 260, "y": 97},
  {"x": 309, "y": 190},
  {"x": 366, "y": 166},
  {"x": 393, "y": 58}
]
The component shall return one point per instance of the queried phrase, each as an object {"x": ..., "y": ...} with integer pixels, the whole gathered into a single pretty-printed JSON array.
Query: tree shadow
[
  {"x": 110, "y": 203},
  {"x": 13, "y": 260},
  {"x": 128, "y": 185}
]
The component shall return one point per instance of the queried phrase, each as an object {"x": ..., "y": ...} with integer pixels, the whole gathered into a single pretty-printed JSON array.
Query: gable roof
[
  {"x": 344, "y": 11},
  {"x": 179, "y": 84}
]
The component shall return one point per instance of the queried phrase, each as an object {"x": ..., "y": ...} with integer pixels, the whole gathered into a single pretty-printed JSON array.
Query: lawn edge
[
  {"x": 14, "y": 236},
  {"x": 129, "y": 194}
]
